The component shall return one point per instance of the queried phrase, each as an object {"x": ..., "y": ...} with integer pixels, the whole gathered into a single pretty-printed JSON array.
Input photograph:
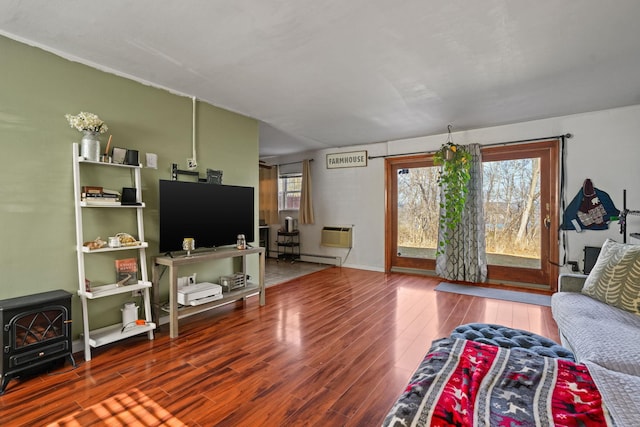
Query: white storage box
[{"x": 188, "y": 294}]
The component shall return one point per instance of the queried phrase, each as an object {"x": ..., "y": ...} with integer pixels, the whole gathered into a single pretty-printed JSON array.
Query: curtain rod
[
  {"x": 566, "y": 135},
  {"x": 282, "y": 164}
]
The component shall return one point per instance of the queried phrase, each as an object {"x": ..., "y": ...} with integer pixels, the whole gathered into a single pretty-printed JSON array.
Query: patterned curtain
[
  {"x": 268, "y": 197},
  {"x": 464, "y": 257},
  {"x": 306, "y": 199}
]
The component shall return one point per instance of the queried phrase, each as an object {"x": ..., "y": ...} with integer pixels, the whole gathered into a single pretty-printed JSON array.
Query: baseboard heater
[
  {"x": 337, "y": 258},
  {"x": 337, "y": 237}
]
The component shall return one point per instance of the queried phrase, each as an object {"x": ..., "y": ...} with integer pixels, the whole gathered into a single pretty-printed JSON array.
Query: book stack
[{"x": 99, "y": 195}]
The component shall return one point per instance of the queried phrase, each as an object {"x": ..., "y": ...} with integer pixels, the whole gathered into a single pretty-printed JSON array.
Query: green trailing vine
[{"x": 455, "y": 162}]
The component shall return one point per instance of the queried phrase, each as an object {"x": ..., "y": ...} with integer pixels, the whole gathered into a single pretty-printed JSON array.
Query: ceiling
[{"x": 332, "y": 73}]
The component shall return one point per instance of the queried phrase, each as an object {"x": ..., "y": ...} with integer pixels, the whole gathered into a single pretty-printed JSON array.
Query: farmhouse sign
[{"x": 352, "y": 159}]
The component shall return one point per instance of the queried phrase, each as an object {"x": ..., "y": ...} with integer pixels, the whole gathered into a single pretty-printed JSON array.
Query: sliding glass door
[
  {"x": 412, "y": 213},
  {"x": 520, "y": 190}
]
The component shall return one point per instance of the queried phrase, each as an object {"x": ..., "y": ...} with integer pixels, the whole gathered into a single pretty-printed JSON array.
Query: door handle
[{"x": 547, "y": 222}]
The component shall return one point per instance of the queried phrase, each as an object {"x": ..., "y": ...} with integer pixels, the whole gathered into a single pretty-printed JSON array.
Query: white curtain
[{"x": 464, "y": 258}]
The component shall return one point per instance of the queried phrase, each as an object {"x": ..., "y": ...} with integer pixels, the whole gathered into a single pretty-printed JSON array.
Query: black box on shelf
[
  {"x": 129, "y": 196},
  {"x": 131, "y": 158}
]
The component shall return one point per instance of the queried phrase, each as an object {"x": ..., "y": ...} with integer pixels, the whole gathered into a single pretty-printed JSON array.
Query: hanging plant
[{"x": 455, "y": 162}]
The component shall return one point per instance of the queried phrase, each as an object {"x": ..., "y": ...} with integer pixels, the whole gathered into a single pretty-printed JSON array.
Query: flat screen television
[{"x": 212, "y": 214}]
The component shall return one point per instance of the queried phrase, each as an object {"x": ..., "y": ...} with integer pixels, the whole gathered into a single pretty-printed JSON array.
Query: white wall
[
  {"x": 605, "y": 148},
  {"x": 345, "y": 197}
]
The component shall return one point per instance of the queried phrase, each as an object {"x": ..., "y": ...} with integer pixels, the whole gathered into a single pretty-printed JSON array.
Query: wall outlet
[
  {"x": 152, "y": 160},
  {"x": 192, "y": 164},
  {"x": 574, "y": 265}
]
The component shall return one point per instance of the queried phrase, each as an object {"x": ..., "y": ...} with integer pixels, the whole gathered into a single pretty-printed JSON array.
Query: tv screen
[{"x": 213, "y": 215}]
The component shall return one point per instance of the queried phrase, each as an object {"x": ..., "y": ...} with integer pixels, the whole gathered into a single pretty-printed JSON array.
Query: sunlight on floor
[
  {"x": 281, "y": 271},
  {"x": 126, "y": 409}
]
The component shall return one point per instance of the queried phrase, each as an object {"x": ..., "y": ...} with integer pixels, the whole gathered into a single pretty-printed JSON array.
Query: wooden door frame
[
  {"x": 391, "y": 212},
  {"x": 550, "y": 192}
]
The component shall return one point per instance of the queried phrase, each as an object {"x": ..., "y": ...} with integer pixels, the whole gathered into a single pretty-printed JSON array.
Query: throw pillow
[{"x": 615, "y": 278}]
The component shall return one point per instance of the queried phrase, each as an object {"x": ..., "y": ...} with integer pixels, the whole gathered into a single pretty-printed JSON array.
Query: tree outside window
[{"x": 289, "y": 191}]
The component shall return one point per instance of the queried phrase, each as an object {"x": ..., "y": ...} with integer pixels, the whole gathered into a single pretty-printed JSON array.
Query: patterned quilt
[{"x": 466, "y": 383}]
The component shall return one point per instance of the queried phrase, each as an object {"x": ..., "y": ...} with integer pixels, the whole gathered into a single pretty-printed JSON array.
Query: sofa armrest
[{"x": 568, "y": 282}]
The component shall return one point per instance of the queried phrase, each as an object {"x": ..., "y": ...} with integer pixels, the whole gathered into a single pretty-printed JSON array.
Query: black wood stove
[{"x": 36, "y": 330}]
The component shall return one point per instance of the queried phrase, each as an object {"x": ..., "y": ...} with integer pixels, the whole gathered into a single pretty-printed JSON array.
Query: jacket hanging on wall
[{"x": 591, "y": 209}]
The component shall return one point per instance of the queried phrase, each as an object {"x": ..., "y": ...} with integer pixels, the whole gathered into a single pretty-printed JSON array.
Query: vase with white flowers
[{"x": 91, "y": 126}]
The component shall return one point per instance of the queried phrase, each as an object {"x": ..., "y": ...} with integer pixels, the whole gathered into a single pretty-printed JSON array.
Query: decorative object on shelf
[
  {"x": 131, "y": 158},
  {"x": 106, "y": 158},
  {"x": 114, "y": 242},
  {"x": 234, "y": 281},
  {"x": 214, "y": 176},
  {"x": 92, "y": 126},
  {"x": 118, "y": 155},
  {"x": 242, "y": 242},
  {"x": 129, "y": 196},
  {"x": 188, "y": 244},
  {"x": 126, "y": 271},
  {"x": 127, "y": 239},
  {"x": 87, "y": 122},
  {"x": 129, "y": 314},
  {"x": 98, "y": 243},
  {"x": 455, "y": 162},
  {"x": 90, "y": 146},
  {"x": 97, "y": 195}
]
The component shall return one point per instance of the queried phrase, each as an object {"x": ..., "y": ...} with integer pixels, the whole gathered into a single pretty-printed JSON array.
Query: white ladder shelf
[{"x": 115, "y": 332}]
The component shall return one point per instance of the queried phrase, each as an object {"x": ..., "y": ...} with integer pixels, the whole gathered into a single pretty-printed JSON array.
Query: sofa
[{"x": 597, "y": 322}]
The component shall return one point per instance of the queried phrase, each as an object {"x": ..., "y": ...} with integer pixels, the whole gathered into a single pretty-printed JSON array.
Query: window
[
  {"x": 418, "y": 211},
  {"x": 289, "y": 191}
]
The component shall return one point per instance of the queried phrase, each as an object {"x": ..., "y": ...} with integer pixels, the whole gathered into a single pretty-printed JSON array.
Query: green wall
[{"x": 36, "y": 189}]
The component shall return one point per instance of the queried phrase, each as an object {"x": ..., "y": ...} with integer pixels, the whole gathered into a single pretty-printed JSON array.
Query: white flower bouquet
[{"x": 87, "y": 122}]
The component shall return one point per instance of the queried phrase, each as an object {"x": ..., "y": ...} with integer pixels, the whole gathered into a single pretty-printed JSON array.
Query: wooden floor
[{"x": 334, "y": 348}]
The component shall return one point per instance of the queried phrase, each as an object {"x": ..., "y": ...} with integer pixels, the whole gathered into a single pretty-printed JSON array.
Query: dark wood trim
[
  {"x": 390, "y": 208},
  {"x": 392, "y": 165},
  {"x": 548, "y": 151}
]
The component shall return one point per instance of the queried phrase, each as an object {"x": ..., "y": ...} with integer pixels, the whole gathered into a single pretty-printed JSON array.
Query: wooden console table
[{"x": 174, "y": 263}]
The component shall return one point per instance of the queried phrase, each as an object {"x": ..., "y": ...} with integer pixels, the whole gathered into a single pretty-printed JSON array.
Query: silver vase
[{"x": 90, "y": 146}]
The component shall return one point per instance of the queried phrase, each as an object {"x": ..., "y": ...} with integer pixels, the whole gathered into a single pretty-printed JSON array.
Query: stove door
[{"x": 42, "y": 330}]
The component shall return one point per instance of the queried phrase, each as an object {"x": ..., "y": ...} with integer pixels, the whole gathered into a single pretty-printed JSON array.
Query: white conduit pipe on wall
[{"x": 194, "y": 162}]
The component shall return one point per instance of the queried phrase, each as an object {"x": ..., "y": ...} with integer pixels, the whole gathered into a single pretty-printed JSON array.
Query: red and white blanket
[{"x": 466, "y": 383}]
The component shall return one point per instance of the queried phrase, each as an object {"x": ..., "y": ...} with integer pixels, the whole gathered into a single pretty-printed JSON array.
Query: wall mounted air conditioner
[{"x": 337, "y": 237}]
